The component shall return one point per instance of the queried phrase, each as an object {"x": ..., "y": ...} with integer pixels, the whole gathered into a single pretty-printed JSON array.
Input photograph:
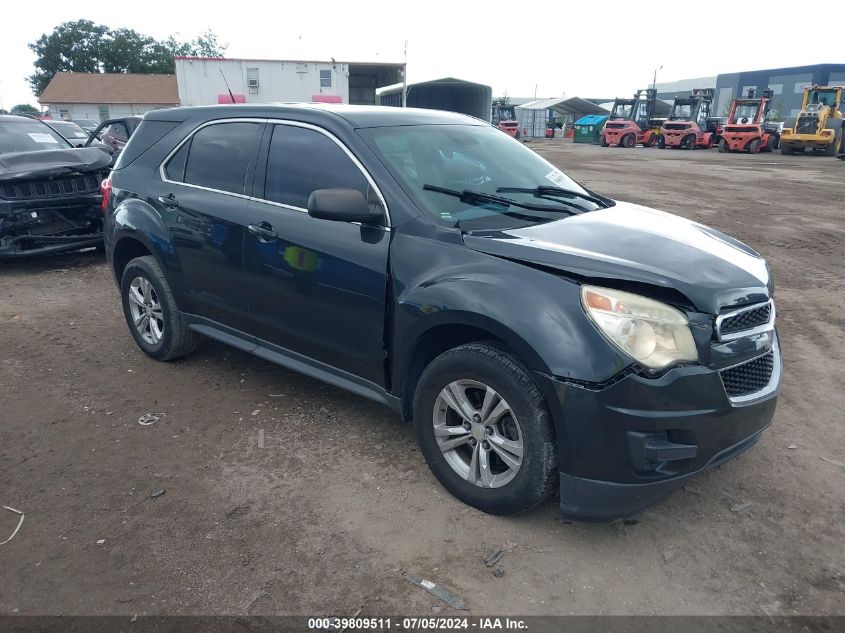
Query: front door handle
[
  {"x": 169, "y": 201},
  {"x": 264, "y": 232}
]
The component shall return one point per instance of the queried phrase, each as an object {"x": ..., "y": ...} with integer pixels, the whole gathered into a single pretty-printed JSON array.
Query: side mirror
[{"x": 342, "y": 205}]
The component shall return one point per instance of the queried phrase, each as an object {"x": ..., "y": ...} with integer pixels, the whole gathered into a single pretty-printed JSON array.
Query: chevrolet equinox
[{"x": 539, "y": 335}]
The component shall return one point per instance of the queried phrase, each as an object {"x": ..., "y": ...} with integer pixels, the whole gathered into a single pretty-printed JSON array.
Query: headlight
[{"x": 651, "y": 332}]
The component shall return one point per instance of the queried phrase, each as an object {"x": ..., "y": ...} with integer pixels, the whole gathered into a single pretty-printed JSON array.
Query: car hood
[
  {"x": 52, "y": 162},
  {"x": 629, "y": 242}
]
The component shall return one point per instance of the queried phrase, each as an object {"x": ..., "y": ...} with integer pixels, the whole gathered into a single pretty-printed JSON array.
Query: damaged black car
[{"x": 50, "y": 198}]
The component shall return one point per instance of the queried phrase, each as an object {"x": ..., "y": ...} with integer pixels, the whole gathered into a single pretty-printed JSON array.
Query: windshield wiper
[
  {"x": 554, "y": 191},
  {"x": 477, "y": 198}
]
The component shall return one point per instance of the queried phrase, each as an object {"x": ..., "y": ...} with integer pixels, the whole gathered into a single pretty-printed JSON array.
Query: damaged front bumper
[
  {"x": 50, "y": 225},
  {"x": 624, "y": 446}
]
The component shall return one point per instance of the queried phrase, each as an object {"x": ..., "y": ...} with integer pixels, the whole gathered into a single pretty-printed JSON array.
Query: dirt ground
[{"x": 338, "y": 504}]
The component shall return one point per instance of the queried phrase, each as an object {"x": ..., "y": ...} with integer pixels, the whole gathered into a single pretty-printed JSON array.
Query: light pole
[
  {"x": 405, "y": 78},
  {"x": 654, "y": 80}
]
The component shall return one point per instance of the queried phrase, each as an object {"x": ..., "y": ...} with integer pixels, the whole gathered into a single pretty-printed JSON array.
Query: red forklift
[
  {"x": 748, "y": 128},
  {"x": 630, "y": 121},
  {"x": 504, "y": 118},
  {"x": 690, "y": 124}
]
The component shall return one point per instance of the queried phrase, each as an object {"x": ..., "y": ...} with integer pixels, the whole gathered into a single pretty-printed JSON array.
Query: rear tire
[
  {"x": 487, "y": 478},
  {"x": 628, "y": 141},
  {"x": 786, "y": 150},
  {"x": 753, "y": 146},
  {"x": 723, "y": 146},
  {"x": 151, "y": 313},
  {"x": 688, "y": 142},
  {"x": 604, "y": 142},
  {"x": 661, "y": 142}
]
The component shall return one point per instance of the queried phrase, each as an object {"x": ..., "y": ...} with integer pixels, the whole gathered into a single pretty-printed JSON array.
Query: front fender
[{"x": 535, "y": 312}]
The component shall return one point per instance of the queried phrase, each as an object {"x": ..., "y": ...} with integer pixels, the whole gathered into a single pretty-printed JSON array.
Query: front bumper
[{"x": 625, "y": 446}]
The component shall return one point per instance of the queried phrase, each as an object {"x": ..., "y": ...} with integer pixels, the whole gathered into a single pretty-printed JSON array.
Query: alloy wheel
[
  {"x": 145, "y": 308},
  {"x": 478, "y": 433}
]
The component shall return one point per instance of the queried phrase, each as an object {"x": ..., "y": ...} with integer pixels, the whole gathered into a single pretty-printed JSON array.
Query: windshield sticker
[
  {"x": 41, "y": 137},
  {"x": 557, "y": 177}
]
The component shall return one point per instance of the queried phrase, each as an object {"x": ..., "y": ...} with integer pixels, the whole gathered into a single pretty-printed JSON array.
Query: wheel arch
[
  {"x": 125, "y": 249},
  {"x": 441, "y": 335},
  {"x": 136, "y": 227}
]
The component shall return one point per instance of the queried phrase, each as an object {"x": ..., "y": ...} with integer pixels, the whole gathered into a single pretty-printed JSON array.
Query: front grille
[
  {"x": 807, "y": 125},
  {"x": 676, "y": 126},
  {"x": 28, "y": 190},
  {"x": 746, "y": 320},
  {"x": 749, "y": 377}
]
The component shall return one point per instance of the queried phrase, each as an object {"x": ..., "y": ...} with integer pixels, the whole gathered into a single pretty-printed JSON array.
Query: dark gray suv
[{"x": 538, "y": 334}]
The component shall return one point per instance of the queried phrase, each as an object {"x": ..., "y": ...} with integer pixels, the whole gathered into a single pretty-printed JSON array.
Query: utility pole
[{"x": 405, "y": 78}]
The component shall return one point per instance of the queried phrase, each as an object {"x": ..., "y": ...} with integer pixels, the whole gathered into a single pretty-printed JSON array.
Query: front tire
[
  {"x": 151, "y": 313},
  {"x": 485, "y": 430}
]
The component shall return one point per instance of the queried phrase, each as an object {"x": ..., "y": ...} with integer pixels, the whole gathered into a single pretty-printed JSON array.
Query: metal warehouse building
[
  {"x": 208, "y": 80},
  {"x": 787, "y": 84}
]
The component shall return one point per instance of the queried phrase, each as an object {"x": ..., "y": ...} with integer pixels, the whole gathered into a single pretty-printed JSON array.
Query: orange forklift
[
  {"x": 504, "y": 118},
  {"x": 630, "y": 121},
  {"x": 748, "y": 128},
  {"x": 690, "y": 124}
]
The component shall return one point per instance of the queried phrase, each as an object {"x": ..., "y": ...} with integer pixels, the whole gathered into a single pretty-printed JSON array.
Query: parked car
[
  {"x": 86, "y": 124},
  {"x": 114, "y": 134},
  {"x": 50, "y": 196},
  {"x": 538, "y": 334},
  {"x": 71, "y": 132}
]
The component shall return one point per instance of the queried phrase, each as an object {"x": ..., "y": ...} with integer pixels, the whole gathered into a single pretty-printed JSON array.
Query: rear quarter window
[{"x": 147, "y": 134}]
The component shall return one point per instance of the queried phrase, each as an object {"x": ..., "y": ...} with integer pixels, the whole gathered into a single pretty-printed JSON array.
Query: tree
[
  {"x": 72, "y": 46},
  {"x": 83, "y": 46},
  {"x": 24, "y": 108}
]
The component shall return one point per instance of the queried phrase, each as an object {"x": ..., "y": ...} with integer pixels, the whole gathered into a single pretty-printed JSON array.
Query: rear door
[
  {"x": 207, "y": 182},
  {"x": 316, "y": 287}
]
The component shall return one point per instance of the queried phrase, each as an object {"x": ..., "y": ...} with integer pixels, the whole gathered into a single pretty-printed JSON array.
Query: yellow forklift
[{"x": 819, "y": 124}]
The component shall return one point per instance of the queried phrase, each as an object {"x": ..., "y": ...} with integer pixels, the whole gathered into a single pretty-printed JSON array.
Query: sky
[{"x": 594, "y": 50}]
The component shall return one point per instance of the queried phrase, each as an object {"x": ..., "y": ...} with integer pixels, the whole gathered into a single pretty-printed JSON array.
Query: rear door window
[
  {"x": 219, "y": 156},
  {"x": 301, "y": 160}
]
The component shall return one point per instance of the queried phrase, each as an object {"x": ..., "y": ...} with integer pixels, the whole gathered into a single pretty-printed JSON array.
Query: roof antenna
[{"x": 227, "y": 85}]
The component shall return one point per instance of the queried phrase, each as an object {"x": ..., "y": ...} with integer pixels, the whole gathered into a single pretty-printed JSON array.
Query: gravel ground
[{"x": 338, "y": 504}]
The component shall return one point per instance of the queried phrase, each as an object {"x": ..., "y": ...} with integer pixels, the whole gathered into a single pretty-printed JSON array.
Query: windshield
[
  {"x": 68, "y": 129},
  {"x": 823, "y": 97},
  {"x": 745, "y": 113},
  {"x": 622, "y": 111},
  {"x": 469, "y": 157},
  {"x": 681, "y": 111},
  {"x": 29, "y": 136}
]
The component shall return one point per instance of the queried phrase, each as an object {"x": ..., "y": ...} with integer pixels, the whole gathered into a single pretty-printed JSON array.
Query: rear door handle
[
  {"x": 169, "y": 201},
  {"x": 264, "y": 232}
]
